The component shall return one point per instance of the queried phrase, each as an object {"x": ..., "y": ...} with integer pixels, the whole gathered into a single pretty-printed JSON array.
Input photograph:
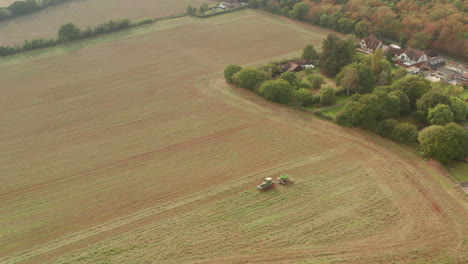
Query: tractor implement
[{"x": 284, "y": 179}]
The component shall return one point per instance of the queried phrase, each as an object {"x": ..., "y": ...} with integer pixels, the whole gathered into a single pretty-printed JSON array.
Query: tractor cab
[{"x": 266, "y": 185}]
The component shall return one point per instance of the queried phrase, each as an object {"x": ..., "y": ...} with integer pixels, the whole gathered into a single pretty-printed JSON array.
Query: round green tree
[
  {"x": 327, "y": 95},
  {"x": 404, "y": 102},
  {"x": 309, "y": 53},
  {"x": 300, "y": 11},
  {"x": 445, "y": 143},
  {"x": 430, "y": 100},
  {"x": 303, "y": 97},
  {"x": 405, "y": 132},
  {"x": 277, "y": 91},
  {"x": 459, "y": 108},
  {"x": 413, "y": 86},
  {"x": 440, "y": 115},
  {"x": 68, "y": 32},
  {"x": 316, "y": 80},
  {"x": 290, "y": 77},
  {"x": 249, "y": 78},
  {"x": 229, "y": 72}
]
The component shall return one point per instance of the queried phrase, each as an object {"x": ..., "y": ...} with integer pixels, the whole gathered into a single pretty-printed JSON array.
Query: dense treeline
[
  {"x": 440, "y": 24},
  {"x": 19, "y": 8},
  {"x": 381, "y": 97},
  {"x": 70, "y": 31}
]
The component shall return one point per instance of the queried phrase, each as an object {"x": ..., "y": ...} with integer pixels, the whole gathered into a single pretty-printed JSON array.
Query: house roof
[
  {"x": 413, "y": 54},
  {"x": 372, "y": 42},
  {"x": 395, "y": 51},
  {"x": 294, "y": 67},
  {"x": 436, "y": 63}
]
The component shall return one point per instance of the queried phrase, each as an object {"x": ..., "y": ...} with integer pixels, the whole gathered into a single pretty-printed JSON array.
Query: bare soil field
[
  {"x": 6, "y": 2},
  {"x": 132, "y": 149},
  {"x": 45, "y": 23}
]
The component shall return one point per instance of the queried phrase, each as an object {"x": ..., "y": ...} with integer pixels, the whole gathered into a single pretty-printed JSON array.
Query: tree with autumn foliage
[{"x": 439, "y": 24}]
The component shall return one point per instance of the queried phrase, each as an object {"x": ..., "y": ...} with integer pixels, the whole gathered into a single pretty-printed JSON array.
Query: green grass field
[{"x": 459, "y": 171}]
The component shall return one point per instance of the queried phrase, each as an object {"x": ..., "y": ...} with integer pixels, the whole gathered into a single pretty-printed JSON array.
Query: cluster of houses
[
  {"x": 230, "y": 4},
  {"x": 433, "y": 67}
]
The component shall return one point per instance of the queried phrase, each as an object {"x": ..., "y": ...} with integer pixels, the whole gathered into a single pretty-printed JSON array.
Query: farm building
[
  {"x": 394, "y": 50},
  {"x": 433, "y": 64},
  {"x": 453, "y": 74},
  {"x": 297, "y": 65},
  {"x": 292, "y": 67},
  {"x": 308, "y": 66},
  {"x": 411, "y": 57},
  {"x": 369, "y": 44}
]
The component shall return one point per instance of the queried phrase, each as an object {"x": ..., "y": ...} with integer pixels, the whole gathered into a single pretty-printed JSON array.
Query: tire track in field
[
  {"x": 389, "y": 160},
  {"x": 155, "y": 210},
  {"x": 137, "y": 159}
]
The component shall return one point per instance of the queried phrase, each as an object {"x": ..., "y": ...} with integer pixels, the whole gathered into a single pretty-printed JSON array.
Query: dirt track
[{"x": 138, "y": 149}]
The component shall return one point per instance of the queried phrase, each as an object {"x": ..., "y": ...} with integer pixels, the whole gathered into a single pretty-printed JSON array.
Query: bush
[
  {"x": 385, "y": 127},
  {"x": 290, "y": 77},
  {"x": 356, "y": 77},
  {"x": 249, "y": 78},
  {"x": 38, "y": 43},
  {"x": 271, "y": 69},
  {"x": 413, "y": 86},
  {"x": 309, "y": 53},
  {"x": 445, "y": 143},
  {"x": 23, "y": 7},
  {"x": 303, "y": 97},
  {"x": 304, "y": 84},
  {"x": 316, "y": 80},
  {"x": 459, "y": 108},
  {"x": 430, "y": 100},
  {"x": 367, "y": 111},
  {"x": 278, "y": 91},
  {"x": 300, "y": 11},
  {"x": 327, "y": 95},
  {"x": 68, "y": 32},
  {"x": 143, "y": 22},
  {"x": 440, "y": 115},
  {"x": 229, "y": 72},
  {"x": 405, "y": 132},
  {"x": 404, "y": 102}
]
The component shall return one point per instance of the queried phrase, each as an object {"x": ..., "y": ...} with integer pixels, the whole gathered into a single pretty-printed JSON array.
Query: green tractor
[{"x": 266, "y": 185}]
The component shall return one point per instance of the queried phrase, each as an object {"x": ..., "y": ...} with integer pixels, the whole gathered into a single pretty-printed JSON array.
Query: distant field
[
  {"x": 45, "y": 23},
  {"x": 132, "y": 149},
  {"x": 6, "y": 2}
]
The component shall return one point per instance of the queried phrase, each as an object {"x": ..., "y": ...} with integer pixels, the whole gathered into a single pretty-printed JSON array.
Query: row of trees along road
[{"x": 381, "y": 97}]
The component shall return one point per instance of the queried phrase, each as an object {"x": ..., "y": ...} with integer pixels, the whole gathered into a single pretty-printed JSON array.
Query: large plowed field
[
  {"x": 6, "y": 2},
  {"x": 46, "y": 22},
  {"x": 132, "y": 149}
]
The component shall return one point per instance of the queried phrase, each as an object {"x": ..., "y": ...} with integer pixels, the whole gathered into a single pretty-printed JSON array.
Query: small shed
[{"x": 308, "y": 66}]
